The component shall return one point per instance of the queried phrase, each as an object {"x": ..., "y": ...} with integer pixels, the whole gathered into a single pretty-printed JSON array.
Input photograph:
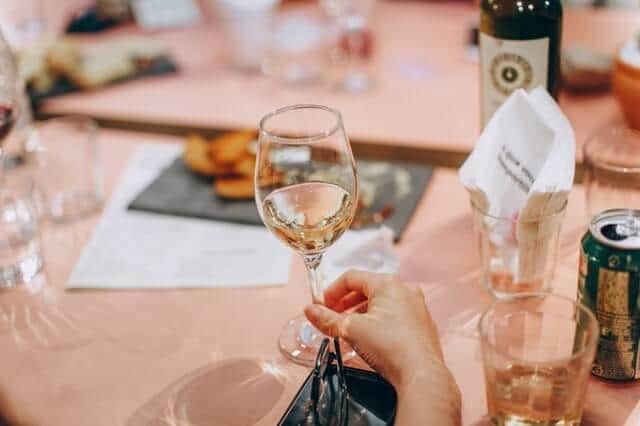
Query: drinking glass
[
  {"x": 354, "y": 41},
  {"x": 247, "y": 26},
  {"x": 537, "y": 350},
  {"x": 20, "y": 245},
  {"x": 611, "y": 163},
  {"x": 517, "y": 255},
  {"x": 297, "y": 49},
  {"x": 306, "y": 192},
  {"x": 64, "y": 154}
]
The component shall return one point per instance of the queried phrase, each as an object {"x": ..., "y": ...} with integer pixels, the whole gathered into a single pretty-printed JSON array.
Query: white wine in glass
[
  {"x": 306, "y": 192},
  {"x": 309, "y": 217}
]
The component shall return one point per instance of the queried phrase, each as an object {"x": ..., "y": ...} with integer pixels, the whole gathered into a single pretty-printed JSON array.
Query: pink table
[
  {"x": 110, "y": 358},
  {"x": 435, "y": 112}
]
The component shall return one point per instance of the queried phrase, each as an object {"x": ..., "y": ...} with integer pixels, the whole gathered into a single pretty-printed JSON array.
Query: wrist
[
  {"x": 430, "y": 393},
  {"x": 419, "y": 370},
  {"x": 418, "y": 362},
  {"x": 430, "y": 374}
]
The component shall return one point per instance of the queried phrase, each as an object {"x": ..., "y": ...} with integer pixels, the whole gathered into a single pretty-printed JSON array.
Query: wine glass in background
[
  {"x": 354, "y": 41},
  {"x": 306, "y": 192}
]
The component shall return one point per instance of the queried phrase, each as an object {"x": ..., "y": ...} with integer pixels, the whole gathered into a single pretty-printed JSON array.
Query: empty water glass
[
  {"x": 20, "y": 247},
  {"x": 297, "y": 51},
  {"x": 247, "y": 25},
  {"x": 353, "y": 45},
  {"x": 64, "y": 155},
  {"x": 612, "y": 170}
]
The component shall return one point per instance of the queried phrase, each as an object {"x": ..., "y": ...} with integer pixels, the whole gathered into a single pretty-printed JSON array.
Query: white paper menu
[{"x": 137, "y": 250}]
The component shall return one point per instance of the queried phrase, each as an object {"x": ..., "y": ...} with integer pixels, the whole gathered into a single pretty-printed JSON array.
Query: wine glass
[
  {"x": 306, "y": 192},
  {"x": 355, "y": 40}
]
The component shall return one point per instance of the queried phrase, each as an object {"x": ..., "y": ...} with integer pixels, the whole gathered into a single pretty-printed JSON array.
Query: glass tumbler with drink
[
  {"x": 537, "y": 350},
  {"x": 306, "y": 192},
  {"x": 517, "y": 254}
]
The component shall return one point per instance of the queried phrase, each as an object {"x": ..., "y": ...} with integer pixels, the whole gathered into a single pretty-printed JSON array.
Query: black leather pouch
[{"x": 334, "y": 395}]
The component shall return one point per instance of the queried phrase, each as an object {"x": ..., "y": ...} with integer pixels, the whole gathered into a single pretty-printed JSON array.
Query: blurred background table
[
  {"x": 424, "y": 106},
  {"x": 106, "y": 358}
]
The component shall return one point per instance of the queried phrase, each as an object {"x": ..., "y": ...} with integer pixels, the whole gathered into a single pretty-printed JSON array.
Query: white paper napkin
[
  {"x": 143, "y": 250},
  {"x": 366, "y": 250},
  {"x": 526, "y": 150},
  {"x": 522, "y": 167}
]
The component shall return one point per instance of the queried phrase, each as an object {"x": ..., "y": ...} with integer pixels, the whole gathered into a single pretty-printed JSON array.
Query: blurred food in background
[
  {"x": 53, "y": 66},
  {"x": 229, "y": 158}
]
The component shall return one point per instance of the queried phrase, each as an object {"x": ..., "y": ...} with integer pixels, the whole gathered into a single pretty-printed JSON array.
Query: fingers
[
  {"x": 351, "y": 326},
  {"x": 349, "y": 301},
  {"x": 325, "y": 320},
  {"x": 362, "y": 308},
  {"x": 361, "y": 282}
]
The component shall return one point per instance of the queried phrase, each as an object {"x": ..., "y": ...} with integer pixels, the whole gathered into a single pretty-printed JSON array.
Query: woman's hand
[
  {"x": 393, "y": 333},
  {"x": 389, "y": 326}
]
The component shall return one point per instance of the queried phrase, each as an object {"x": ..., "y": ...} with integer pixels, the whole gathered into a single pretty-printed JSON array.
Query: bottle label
[{"x": 507, "y": 65}]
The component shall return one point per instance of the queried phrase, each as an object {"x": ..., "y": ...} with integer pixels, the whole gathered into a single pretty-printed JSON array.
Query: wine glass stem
[{"x": 312, "y": 262}]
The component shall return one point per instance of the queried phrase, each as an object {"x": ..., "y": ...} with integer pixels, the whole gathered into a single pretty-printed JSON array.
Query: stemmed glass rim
[
  {"x": 300, "y": 140},
  {"x": 593, "y": 327},
  {"x": 554, "y": 214},
  {"x": 603, "y": 164}
]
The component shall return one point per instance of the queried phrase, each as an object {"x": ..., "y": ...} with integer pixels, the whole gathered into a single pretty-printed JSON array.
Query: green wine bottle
[{"x": 519, "y": 48}]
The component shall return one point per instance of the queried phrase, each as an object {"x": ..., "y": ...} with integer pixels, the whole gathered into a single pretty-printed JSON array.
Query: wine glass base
[{"x": 299, "y": 341}]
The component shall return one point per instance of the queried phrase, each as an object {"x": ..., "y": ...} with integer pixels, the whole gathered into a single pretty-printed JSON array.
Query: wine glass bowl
[{"x": 306, "y": 193}]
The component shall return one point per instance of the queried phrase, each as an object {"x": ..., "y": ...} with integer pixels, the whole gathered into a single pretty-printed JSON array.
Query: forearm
[{"x": 429, "y": 397}]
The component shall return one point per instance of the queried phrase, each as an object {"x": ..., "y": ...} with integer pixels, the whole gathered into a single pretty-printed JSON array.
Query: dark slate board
[
  {"x": 63, "y": 86},
  {"x": 179, "y": 192}
]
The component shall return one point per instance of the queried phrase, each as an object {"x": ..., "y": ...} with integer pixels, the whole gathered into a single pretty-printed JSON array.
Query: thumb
[{"x": 324, "y": 319}]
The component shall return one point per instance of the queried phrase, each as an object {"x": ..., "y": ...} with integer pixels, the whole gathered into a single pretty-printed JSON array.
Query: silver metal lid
[{"x": 618, "y": 228}]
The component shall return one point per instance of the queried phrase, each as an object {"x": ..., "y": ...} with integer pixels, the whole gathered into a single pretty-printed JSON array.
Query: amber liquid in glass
[{"x": 528, "y": 396}]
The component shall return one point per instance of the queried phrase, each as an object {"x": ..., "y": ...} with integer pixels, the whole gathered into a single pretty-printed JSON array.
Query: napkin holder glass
[{"x": 335, "y": 395}]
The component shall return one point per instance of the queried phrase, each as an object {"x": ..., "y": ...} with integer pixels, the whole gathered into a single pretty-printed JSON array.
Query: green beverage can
[{"x": 609, "y": 284}]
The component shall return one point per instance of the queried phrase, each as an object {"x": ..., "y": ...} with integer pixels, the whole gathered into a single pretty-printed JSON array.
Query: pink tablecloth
[{"x": 113, "y": 358}]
